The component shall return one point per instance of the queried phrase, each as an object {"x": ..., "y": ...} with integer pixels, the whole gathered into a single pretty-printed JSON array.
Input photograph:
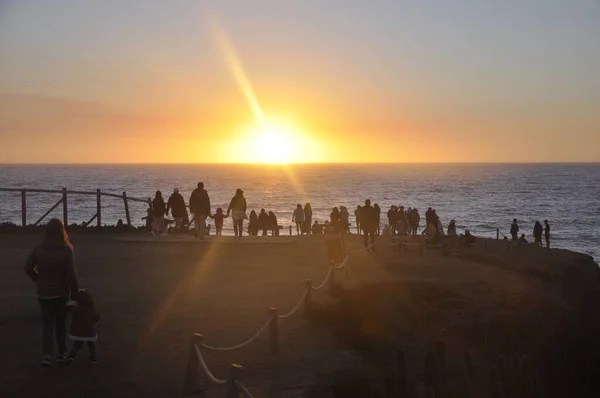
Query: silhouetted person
[
  {"x": 452, "y": 228},
  {"x": 547, "y": 233},
  {"x": 402, "y": 226},
  {"x": 358, "y": 219},
  {"x": 344, "y": 220},
  {"x": 200, "y": 208},
  {"x": 369, "y": 224},
  {"x": 514, "y": 230},
  {"x": 334, "y": 219},
  {"x": 307, "y": 218},
  {"x": 522, "y": 239},
  {"x": 158, "y": 204},
  {"x": 51, "y": 266},
  {"x": 149, "y": 219},
  {"x": 392, "y": 215},
  {"x": 537, "y": 233},
  {"x": 83, "y": 326},
  {"x": 263, "y": 221},
  {"x": 378, "y": 215},
  {"x": 428, "y": 214},
  {"x": 219, "y": 218},
  {"x": 273, "y": 224},
  {"x": 317, "y": 228},
  {"x": 237, "y": 208},
  {"x": 253, "y": 224},
  {"x": 298, "y": 218},
  {"x": 415, "y": 220},
  {"x": 176, "y": 204}
]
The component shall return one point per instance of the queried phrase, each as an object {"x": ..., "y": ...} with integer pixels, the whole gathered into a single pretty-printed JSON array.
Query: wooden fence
[{"x": 64, "y": 201}]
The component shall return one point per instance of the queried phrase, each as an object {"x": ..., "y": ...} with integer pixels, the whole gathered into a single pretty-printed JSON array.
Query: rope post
[
  {"x": 65, "y": 211},
  {"x": 99, "y": 208},
  {"x": 231, "y": 390},
  {"x": 126, "y": 209},
  {"x": 307, "y": 302},
  {"x": 497, "y": 233},
  {"x": 274, "y": 331},
  {"x": 192, "y": 381},
  {"x": 290, "y": 230},
  {"x": 402, "y": 379},
  {"x": 24, "y": 208}
]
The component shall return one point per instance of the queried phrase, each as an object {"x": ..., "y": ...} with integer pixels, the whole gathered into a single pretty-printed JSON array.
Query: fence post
[
  {"x": 402, "y": 379},
  {"x": 497, "y": 233},
  {"x": 307, "y": 302},
  {"x": 126, "y": 209},
  {"x": 24, "y": 208},
  {"x": 192, "y": 381},
  {"x": 235, "y": 372},
  {"x": 98, "y": 208},
  {"x": 290, "y": 230},
  {"x": 65, "y": 211},
  {"x": 274, "y": 331}
]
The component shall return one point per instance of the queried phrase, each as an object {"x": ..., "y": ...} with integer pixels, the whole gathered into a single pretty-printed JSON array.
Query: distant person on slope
[
  {"x": 514, "y": 230},
  {"x": 358, "y": 219},
  {"x": 547, "y": 233},
  {"x": 537, "y": 233},
  {"x": 176, "y": 204},
  {"x": 160, "y": 209},
  {"x": 200, "y": 208},
  {"x": 263, "y": 221},
  {"x": 369, "y": 219},
  {"x": 344, "y": 220},
  {"x": 237, "y": 208},
  {"x": 273, "y": 224},
  {"x": 253, "y": 224},
  {"x": 378, "y": 217},
  {"x": 298, "y": 218},
  {"x": 307, "y": 218}
]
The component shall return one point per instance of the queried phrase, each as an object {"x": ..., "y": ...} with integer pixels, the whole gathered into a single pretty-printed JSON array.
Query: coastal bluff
[{"x": 504, "y": 304}]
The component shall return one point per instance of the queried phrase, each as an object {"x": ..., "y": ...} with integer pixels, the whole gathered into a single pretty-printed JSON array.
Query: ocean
[{"x": 481, "y": 197}]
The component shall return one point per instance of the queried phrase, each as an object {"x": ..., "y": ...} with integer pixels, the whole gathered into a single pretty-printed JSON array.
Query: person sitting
[
  {"x": 317, "y": 228},
  {"x": 263, "y": 222},
  {"x": 468, "y": 237},
  {"x": 522, "y": 239},
  {"x": 452, "y": 228}
]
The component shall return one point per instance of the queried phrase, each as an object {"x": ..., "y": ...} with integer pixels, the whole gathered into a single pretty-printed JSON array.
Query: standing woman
[
  {"x": 51, "y": 266},
  {"x": 307, "y": 218},
  {"x": 238, "y": 207},
  {"x": 160, "y": 209},
  {"x": 298, "y": 218}
]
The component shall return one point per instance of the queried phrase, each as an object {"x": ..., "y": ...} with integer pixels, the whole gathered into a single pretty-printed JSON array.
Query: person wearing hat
[
  {"x": 176, "y": 204},
  {"x": 237, "y": 208}
]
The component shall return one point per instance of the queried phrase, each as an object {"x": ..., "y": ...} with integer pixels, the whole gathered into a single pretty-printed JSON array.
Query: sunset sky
[{"x": 299, "y": 81}]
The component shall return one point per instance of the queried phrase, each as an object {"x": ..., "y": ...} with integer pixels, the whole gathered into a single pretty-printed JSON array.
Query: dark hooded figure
[
  {"x": 273, "y": 224},
  {"x": 334, "y": 218},
  {"x": 547, "y": 233},
  {"x": 369, "y": 218},
  {"x": 514, "y": 230},
  {"x": 237, "y": 207},
  {"x": 176, "y": 204},
  {"x": 263, "y": 221},
  {"x": 253, "y": 224},
  {"x": 537, "y": 233}
]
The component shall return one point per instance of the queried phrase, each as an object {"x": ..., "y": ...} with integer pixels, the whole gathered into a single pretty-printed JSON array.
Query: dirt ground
[{"x": 153, "y": 294}]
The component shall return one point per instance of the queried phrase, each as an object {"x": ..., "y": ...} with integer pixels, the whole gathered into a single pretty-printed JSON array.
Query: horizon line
[{"x": 290, "y": 164}]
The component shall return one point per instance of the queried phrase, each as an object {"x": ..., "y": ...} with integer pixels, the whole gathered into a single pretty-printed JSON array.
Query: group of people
[
  {"x": 538, "y": 231},
  {"x": 403, "y": 222}
]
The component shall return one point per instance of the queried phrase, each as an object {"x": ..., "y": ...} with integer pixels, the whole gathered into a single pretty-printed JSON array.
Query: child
[
  {"x": 149, "y": 219},
  {"x": 83, "y": 326},
  {"x": 219, "y": 217}
]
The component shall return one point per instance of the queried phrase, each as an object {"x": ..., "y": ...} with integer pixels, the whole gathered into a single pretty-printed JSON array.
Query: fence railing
[{"x": 64, "y": 201}]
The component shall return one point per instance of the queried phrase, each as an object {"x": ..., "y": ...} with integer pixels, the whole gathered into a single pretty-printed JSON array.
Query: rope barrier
[
  {"x": 241, "y": 345},
  {"x": 342, "y": 264},
  {"x": 205, "y": 368},
  {"x": 242, "y": 389},
  {"x": 298, "y": 305},
  {"x": 324, "y": 281}
]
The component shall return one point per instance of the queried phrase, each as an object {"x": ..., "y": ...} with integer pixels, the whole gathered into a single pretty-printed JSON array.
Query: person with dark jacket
[
  {"x": 358, "y": 219},
  {"x": 547, "y": 233},
  {"x": 514, "y": 230},
  {"x": 253, "y": 224},
  {"x": 160, "y": 209},
  {"x": 537, "y": 233},
  {"x": 237, "y": 207},
  {"x": 83, "y": 326},
  {"x": 52, "y": 267},
  {"x": 378, "y": 215},
  {"x": 176, "y": 204},
  {"x": 200, "y": 208},
  {"x": 273, "y": 225},
  {"x": 263, "y": 221},
  {"x": 369, "y": 221}
]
